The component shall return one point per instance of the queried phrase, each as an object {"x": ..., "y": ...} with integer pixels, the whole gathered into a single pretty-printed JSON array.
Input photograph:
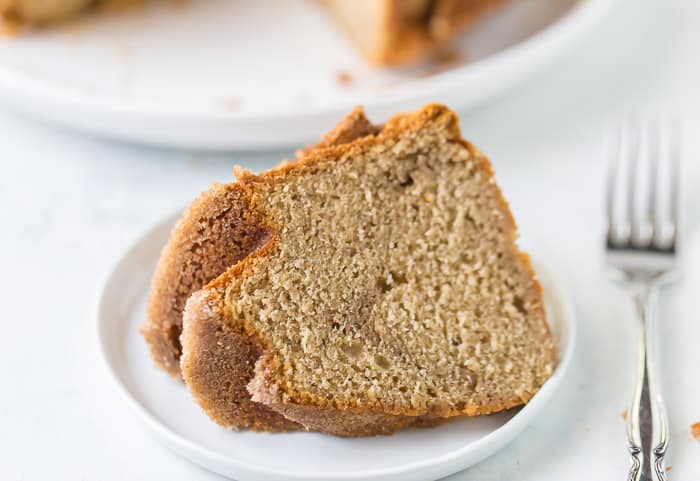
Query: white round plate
[
  {"x": 169, "y": 412},
  {"x": 217, "y": 74}
]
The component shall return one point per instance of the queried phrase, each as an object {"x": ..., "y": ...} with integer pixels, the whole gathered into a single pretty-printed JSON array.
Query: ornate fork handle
[{"x": 648, "y": 408}]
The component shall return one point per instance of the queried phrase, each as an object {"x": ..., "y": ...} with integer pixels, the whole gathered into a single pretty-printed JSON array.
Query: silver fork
[{"x": 641, "y": 245}]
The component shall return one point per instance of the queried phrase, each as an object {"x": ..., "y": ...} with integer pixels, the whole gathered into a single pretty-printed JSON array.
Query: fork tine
[
  {"x": 632, "y": 162},
  {"x": 615, "y": 144},
  {"x": 675, "y": 139},
  {"x": 662, "y": 156},
  {"x": 654, "y": 136}
]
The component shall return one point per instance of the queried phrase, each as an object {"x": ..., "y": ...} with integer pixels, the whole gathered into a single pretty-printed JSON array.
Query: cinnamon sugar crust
[{"x": 215, "y": 232}]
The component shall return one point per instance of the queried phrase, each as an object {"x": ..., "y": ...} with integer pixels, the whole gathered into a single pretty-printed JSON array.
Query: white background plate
[
  {"x": 224, "y": 74},
  {"x": 168, "y": 411}
]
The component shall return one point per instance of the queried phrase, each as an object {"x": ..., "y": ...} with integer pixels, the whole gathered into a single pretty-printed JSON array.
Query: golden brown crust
[
  {"x": 435, "y": 114},
  {"x": 357, "y": 423},
  {"x": 321, "y": 414},
  {"x": 215, "y": 232},
  {"x": 353, "y": 422},
  {"x": 349, "y": 423},
  {"x": 221, "y": 369},
  {"x": 354, "y": 126}
]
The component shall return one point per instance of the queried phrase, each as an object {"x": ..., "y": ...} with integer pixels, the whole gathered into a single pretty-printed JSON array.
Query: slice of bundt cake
[{"x": 384, "y": 289}]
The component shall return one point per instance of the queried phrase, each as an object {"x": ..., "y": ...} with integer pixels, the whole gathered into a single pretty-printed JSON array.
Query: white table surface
[{"x": 70, "y": 205}]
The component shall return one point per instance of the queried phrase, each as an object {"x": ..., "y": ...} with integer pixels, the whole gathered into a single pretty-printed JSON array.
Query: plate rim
[{"x": 194, "y": 452}]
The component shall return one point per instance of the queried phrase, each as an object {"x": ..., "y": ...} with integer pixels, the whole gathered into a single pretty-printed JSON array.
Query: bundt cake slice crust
[
  {"x": 286, "y": 382},
  {"x": 214, "y": 233},
  {"x": 223, "y": 367}
]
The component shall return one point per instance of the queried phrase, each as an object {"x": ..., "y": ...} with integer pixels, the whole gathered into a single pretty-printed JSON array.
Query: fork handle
[{"x": 648, "y": 408}]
